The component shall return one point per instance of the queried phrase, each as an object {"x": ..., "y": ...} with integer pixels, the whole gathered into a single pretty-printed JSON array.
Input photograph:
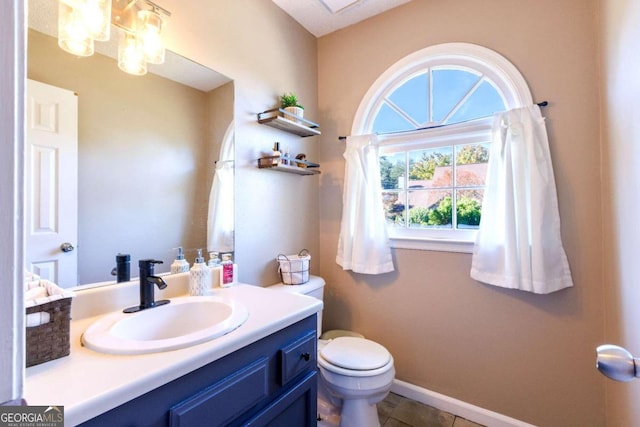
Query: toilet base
[
  {"x": 353, "y": 413},
  {"x": 359, "y": 413},
  {"x": 328, "y": 414}
]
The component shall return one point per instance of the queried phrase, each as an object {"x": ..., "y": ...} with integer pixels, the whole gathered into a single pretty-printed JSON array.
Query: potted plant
[{"x": 289, "y": 103}]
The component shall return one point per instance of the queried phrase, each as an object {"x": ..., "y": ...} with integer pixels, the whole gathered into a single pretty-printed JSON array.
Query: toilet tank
[{"x": 313, "y": 288}]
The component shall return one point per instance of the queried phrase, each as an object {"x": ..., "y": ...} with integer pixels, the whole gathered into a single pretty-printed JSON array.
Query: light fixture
[
  {"x": 150, "y": 31},
  {"x": 73, "y": 34},
  {"x": 81, "y": 22},
  {"x": 336, "y": 6},
  {"x": 131, "y": 54}
]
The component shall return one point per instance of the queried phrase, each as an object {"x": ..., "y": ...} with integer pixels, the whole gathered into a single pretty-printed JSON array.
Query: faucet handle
[
  {"x": 147, "y": 265},
  {"x": 146, "y": 262}
]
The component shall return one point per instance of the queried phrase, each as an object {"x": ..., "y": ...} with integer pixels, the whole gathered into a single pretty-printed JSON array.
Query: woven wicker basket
[{"x": 51, "y": 340}]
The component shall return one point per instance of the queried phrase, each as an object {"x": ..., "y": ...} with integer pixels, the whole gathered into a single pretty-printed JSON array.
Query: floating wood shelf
[
  {"x": 268, "y": 163},
  {"x": 280, "y": 119}
]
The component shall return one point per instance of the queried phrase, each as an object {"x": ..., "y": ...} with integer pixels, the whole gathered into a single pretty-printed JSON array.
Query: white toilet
[{"x": 355, "y": 373}]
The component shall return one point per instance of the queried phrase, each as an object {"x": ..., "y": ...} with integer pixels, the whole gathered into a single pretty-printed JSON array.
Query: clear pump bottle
[{"x": 214, "y": 260}]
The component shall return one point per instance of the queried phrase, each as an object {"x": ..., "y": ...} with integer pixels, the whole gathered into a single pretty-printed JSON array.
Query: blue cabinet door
[{"x": 296, "y": 407}]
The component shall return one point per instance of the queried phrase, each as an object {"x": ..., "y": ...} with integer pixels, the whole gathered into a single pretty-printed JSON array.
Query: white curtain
[
  {"x": 220, "y": 223},
  {"x": 518, "y": 244},
  {"x": 363, "y": 246}
]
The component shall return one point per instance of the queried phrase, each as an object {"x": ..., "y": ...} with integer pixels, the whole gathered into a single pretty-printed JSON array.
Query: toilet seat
[{"x": 354, "y": 357}]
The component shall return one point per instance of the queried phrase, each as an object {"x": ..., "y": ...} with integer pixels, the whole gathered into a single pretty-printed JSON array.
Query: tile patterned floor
[{"x": 398, "y": 411}]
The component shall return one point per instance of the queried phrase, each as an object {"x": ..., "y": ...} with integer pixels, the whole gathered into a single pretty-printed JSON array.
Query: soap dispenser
[
  {"x": 179, "y": 265},
  {"x": 199, "y": 277},
  {"x": 214, "y": 260}
]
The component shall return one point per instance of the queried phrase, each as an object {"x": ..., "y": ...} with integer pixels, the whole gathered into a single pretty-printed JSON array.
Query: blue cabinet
[{"x": 271, "y": 382}]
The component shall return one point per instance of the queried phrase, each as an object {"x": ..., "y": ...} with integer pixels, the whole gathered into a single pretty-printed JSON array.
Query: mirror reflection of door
[{"x": 52, "y": 183}]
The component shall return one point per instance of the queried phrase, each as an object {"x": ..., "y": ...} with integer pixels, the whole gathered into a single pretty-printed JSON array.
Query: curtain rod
[{"x": 539, "y": 104}]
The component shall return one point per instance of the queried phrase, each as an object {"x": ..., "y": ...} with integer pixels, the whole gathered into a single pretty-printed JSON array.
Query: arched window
[{"x": 432, "y": 111}]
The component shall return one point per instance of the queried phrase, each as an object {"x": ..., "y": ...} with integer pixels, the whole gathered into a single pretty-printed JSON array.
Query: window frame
[
  {"x": 495, "y": 68},
  {"x": 456, "y": 134}
]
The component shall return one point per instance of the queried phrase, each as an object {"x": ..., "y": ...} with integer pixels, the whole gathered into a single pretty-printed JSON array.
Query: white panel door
[{"x": 51, "y": 157}]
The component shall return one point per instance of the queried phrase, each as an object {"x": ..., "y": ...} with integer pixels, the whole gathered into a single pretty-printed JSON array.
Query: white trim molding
[
  {"x": 454, "y": 406},
  {"x": 499, "y": 70},
  {"x": 12, "y": 90},
  {"x": 490, "y": 67}
]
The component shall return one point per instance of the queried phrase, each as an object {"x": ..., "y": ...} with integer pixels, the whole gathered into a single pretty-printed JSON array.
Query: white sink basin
[{"x": 184, "y": 322}]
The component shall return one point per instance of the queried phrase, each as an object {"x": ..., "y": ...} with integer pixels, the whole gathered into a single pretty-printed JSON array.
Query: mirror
[{"x": 147, "y": 153}]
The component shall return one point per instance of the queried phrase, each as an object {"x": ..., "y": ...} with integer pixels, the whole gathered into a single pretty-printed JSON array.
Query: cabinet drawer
[
  {"x": 298, "y": 357},
  {"x": 225, "y": 400}
]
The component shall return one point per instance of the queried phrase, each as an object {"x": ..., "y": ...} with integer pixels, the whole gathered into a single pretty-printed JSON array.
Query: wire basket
[{"x": 294, "y": 269}]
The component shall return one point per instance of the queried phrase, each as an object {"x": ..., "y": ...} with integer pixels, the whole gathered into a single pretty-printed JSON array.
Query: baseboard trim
[{"x": 455, "y": 406}]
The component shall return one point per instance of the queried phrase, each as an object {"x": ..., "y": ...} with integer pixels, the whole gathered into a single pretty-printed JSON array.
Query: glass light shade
[
  {"x": 97, "y": 15},
  {"x": 150, "y": 31},
  {"x": 73, "y": 34},
  {"x": 131, "y": 55}
]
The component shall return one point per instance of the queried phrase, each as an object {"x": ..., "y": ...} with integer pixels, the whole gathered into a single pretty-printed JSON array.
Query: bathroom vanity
[{"x": 262, "y": 373}]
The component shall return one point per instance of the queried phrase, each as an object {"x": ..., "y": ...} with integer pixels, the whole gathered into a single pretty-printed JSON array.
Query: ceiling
[{"x": 321, "y": 17}]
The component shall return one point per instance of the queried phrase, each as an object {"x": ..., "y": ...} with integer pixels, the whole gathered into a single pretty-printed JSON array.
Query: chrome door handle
[
  {"x": 617, "y": 363},
  {"x": 66, "y": 247}
]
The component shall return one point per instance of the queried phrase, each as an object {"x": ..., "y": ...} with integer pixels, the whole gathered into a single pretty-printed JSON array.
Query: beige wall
[
  {"x": 266, "y": 53},
  {"x": 527, "y": 356},
  {"x": 145, "y": 158},
  {"x": 621, "y": 203}
]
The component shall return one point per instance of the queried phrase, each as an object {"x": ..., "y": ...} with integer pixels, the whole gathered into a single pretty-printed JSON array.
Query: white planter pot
[{"x": 296, "y": 112}]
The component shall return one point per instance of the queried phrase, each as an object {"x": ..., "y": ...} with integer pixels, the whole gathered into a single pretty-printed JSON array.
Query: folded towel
[
  {"x": 41, "y": 291},
  {"x": 36, "y": 292},
  {"x": 29, "y": 276},
  {"x": 37, "y": 319}
]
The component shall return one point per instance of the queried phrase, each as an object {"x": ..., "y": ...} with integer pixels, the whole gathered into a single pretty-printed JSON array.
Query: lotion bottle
[
  {"x": 228, "y": 272},
  {"x": 199, "y": 277},
  {"x": 276, "y": 152},
  {"x": 179, "y": 265}
]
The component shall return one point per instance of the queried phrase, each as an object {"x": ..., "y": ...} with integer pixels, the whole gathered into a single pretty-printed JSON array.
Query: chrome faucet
[{"x": 147, "y": 281}]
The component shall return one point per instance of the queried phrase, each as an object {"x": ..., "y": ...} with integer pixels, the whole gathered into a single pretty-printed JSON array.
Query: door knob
[
  {"x": 66, "y": 247},
  {"x": 617, "y": 363}
]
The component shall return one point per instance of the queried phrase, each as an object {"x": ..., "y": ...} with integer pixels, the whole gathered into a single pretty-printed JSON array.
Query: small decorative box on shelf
[
  {"x": 290, "y": 165},
  {"x": 283, "y": 120}
]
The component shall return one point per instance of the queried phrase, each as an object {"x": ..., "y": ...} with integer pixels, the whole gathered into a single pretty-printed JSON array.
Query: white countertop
[{"x": 88, "y": 383}]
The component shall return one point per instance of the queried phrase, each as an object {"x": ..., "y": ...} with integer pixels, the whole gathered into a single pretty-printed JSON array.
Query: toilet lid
[{"x": 355, "y": 353}]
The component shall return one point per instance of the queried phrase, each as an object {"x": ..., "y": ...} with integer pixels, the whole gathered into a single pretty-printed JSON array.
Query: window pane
[
  {"x": 471, "y": 164},
  {"x": 484, "y": 101},
  {"x": 430, "y": 209},
  {"x": 394, "y": 207},
  {"x": 412, "y": 97},
  {"x": 468, "y": 208},
  {"x": 388, "y": 120},
  {"x": 392, "y": 171},
  {"x": 449, "y": 86},
  {"x": 431, "y": 168}
]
